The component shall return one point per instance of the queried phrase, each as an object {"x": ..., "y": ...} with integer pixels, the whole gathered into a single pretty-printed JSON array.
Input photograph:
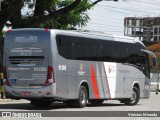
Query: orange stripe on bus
[{"x": 94, "y": 82}]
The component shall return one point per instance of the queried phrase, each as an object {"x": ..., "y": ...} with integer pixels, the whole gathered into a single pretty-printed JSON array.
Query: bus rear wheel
[
  {"x": 134, "y": 99},
  {"x": 83, "y": 97}
]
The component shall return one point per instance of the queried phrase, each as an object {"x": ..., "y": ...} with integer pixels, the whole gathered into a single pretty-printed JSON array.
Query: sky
[{"x": 108, "y": 16}]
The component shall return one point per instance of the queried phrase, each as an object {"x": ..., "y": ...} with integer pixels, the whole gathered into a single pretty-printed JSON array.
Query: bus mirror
[
  {"x": 154, "y": 58},
  {"x": 154, "y": 62}
]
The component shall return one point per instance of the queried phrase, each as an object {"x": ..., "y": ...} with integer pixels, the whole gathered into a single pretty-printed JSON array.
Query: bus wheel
[
  {"x": 96, "y": 102},
  {"x": 40, "y": 103},
  {"x": 83, "y": 97},
  {"x": 135, "y": 97}
]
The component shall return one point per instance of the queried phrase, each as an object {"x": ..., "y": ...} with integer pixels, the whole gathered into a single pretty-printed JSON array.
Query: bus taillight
[
  {"x": 6, "y": 82},
  {"x": 50, "y": 76},
  {"x": 46, "y": 29}
]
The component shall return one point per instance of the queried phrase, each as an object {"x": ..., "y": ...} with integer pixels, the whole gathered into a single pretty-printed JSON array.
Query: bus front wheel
[{"x": 135, "y": 97}]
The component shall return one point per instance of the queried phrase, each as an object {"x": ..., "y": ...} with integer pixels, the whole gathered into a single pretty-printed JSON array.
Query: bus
[{"x": 76, "y": 67}]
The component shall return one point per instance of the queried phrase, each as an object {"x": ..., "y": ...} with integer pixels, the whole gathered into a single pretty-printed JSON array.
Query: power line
[
  {"x": 147, "y": 2},
  {"x": 108, "y": 18},
  {"x": 104, "y": 6},
  {"x": 105, "y": 24},
  {"x": 120, "y": 12},
  {"x": 91, "y": 28},
  {"x": 113, "y": 10},
  {"x": 102, "y": 27},
  {"x": 150, "y": 8}
]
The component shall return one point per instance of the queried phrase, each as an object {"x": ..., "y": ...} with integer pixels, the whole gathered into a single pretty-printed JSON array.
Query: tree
[
  {"x": 63, "y": 14},
  {"x": 156, "y": 49},
  {"x": 59, "y": 14}
]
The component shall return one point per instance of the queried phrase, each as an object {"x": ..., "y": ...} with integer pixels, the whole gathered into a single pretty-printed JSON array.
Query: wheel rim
[
  {"x": 134, "y": 97},
  {"x": 83, "y": 97}
]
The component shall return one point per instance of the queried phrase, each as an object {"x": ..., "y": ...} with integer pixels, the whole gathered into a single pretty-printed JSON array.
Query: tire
[
  {"x": 40, "y": 103},
  {"x": 83, "y": 98},
  {"x": 96, "y": 102},
  {"x": 134, "y": 99}
]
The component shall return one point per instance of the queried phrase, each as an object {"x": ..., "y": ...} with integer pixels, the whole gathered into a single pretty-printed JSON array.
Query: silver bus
[{"x": 45, "y": 65}]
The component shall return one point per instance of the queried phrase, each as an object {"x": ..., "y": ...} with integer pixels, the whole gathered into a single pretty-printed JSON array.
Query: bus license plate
[{"x": 26, "y": 93}]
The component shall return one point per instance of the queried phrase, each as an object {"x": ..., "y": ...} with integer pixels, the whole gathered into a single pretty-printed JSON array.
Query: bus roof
[
  {"x": 87, "y": 34},
  {"x": 99, "y": 35}
]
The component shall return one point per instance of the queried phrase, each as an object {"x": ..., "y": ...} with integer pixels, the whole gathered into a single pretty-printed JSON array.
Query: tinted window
[
  {"x": 64, "y": 44},
  {"x": 94, "y": 50},
  {"x": 107, "y": 51},
  {"x": 132, "y": 54},
  {"x": 98, "y": 50},
  {"x": 144, "y": 61},
  {"x": 79, "y": 48},
  {"x": 119, "y": 52},
  {"x": 27, "y": 43}
]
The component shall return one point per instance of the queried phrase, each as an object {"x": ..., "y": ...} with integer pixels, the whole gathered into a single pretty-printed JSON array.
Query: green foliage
[
  {"x": 11, "y": 10},
  {"x": 76, "y": 17}
]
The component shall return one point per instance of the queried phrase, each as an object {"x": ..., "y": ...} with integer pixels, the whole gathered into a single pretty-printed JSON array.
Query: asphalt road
[{"x": 151, "y": 104}]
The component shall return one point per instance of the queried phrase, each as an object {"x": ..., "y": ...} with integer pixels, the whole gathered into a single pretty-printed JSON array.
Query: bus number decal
[
  {"x": 62, "y": 67},
  {"x": 40, "y": 69}
]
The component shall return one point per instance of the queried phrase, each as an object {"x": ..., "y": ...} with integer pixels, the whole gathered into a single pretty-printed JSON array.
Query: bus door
[{"x": 121, "y": 70}]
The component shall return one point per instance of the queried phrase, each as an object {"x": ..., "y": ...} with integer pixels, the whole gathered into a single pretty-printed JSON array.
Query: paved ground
[{"x": 151, "y": 104}]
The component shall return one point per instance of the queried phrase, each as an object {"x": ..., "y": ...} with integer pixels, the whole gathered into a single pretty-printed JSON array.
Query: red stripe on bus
[
  {"x": 106, "y": 80},
  {"x": 94, "y": 82}
]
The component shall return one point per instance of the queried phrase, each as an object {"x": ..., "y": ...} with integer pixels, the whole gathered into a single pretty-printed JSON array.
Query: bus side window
[
  {"x": 79, "y": 48},
  {"x": 132, "y": 55},
  {"x": 120, "y": 56},
  {"x": 108, "y": 51},
  {"x": 64, "y": 45},
  {"x": 94, "y": 51}
]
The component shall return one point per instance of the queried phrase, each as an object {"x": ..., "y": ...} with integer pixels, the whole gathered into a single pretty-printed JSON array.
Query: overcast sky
[{"x": 108, "y": 16}]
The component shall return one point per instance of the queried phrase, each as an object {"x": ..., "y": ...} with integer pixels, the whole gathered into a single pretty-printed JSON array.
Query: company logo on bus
[
  {"x": 81, "y": 72},
  {"x": 81, "y": 67}
]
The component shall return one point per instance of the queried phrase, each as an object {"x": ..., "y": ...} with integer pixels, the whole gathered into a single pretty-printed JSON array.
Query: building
[{"x": 147, "y": 29}]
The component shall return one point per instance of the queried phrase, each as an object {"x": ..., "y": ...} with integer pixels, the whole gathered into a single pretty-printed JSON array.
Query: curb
[
  {"x": 3, "y": 101},
  {"x": 6, "y": 100}
]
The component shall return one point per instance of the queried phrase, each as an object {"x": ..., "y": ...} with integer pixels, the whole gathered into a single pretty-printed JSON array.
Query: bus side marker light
[{"x": 48, "y": 93}]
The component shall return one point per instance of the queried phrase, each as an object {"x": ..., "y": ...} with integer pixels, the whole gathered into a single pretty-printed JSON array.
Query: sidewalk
[{"x": 5, "y": 100}]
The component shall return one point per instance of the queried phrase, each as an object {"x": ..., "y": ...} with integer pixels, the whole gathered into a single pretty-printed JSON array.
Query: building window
[
  {"x": 155, "y": 38},
  {"x": 156, "y": 31}
]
